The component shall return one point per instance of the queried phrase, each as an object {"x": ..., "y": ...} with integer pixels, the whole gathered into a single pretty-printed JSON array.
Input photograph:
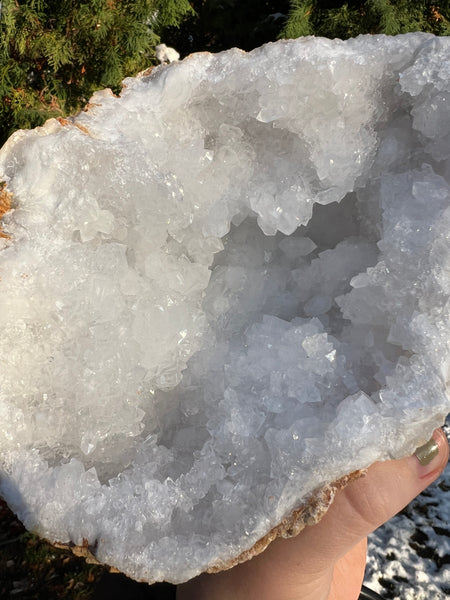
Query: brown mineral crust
[
  {"x": 91, "y": 105},
  {"x": 5, "y": 205},
  {"x": 84, "y": 551},
  {"x": 145, "y": 73},
  {"x": 307, "y": 514},
  {"x": 66, "y": 122}
]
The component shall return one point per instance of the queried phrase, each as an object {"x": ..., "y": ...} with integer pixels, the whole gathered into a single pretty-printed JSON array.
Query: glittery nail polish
[{"x": 427, "y": 452}]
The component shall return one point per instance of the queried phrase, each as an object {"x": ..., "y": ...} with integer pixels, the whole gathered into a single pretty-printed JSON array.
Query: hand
[{"x": 326, "y": 561}]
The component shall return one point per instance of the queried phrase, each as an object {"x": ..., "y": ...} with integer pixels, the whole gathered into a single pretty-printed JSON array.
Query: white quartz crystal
[{"x": 222, "y": 291}]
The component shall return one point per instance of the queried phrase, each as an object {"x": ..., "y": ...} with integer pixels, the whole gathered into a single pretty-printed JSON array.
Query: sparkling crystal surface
[{"x": 222, "y": 291}]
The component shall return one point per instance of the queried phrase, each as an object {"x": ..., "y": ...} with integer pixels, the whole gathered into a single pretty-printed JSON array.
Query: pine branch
[{"x": 298, "y": 22}]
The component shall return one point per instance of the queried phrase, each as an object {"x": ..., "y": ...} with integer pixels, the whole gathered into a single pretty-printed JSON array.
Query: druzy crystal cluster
[{"x": 221, "y": 292}]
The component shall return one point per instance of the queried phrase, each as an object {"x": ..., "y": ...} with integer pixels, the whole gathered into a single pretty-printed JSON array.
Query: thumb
[
  {"x": 309, "y": 558},
  {"x": 367, "y": 503}
]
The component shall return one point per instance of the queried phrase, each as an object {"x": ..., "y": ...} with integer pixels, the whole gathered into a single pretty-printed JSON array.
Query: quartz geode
[{"x": 222, "y": 292}]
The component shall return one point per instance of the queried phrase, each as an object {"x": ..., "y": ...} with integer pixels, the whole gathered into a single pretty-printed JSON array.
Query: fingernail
[{"x": 427, "y": 452}]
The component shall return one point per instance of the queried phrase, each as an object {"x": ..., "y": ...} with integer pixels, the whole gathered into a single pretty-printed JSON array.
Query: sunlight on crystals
[{"x": 222, "y": 291}]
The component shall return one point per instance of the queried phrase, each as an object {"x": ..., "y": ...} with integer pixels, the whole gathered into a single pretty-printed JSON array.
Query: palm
[{"x": 348, "y": 573}]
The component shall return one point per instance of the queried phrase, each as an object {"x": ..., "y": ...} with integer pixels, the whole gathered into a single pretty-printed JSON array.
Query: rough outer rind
[{"x": 5, "y": 205}]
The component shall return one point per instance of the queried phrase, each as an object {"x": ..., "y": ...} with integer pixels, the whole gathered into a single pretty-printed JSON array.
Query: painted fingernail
[{"x": 427, "y": 452}]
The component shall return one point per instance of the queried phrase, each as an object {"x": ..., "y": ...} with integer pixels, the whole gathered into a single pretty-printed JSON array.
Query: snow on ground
[{"x": 409, "y": 557}]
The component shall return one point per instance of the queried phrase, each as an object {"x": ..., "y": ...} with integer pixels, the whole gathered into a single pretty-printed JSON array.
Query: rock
[
  {"x": 222, "y": 295},
  {"x": 165, "y": 54}
]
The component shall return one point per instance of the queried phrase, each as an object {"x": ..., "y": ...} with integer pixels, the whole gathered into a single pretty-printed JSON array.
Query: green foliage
[
  {"x": 172, "y": 12},
  {"x": 340, "y": 19},
  {"x": 55, "y": 53},
  {"x": 298, "y": 22}
]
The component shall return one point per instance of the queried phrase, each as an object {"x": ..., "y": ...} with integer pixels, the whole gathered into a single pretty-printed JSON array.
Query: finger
[{"x": 389, "y": 486}]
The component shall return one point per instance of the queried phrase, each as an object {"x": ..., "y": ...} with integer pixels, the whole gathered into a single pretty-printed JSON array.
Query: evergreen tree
[
  {"x": 55, "y": 53},
  {"x": 343, "y": 20}
]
